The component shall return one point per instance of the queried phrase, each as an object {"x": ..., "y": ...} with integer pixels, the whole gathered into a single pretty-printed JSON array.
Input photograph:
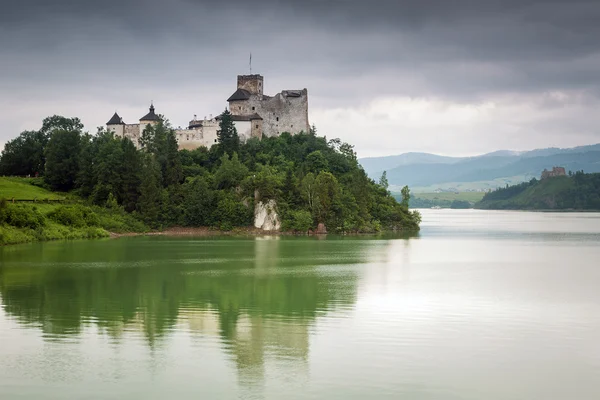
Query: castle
[
  {"x": 254, "y": 114},
  {"x": 556, "y": 171}
]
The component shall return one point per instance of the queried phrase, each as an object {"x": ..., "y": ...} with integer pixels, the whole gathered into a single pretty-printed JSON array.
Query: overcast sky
[{"x": 458, "y": 77}]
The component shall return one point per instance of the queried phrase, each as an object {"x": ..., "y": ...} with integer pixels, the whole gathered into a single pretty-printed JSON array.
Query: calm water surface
[{"x": 480, "y": 305}]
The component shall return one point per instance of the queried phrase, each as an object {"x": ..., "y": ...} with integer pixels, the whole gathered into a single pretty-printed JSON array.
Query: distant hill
[
  {"x": 579, "y": 192},
  {"x": 427, "y": 170}
]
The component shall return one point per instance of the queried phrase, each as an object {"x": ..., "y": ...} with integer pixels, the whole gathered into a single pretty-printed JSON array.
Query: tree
[
  {"x": 227, "y": 134},
  {"x": 62, "y": 159},
  {"x": 198, "y": 203},
  {"x": 60, "y": 123},
  {"x": 316, "y": 162},
  {"x": 268, "y": 182},
  {"x": 173, "y": 171},
  {"x": 230, "y": 173},
  {"x": 328, "y": 195},
  {"x": 130, "y": 170},
  {"x": 405, "y": 196},
  {"x": 309, "y": 190},
  {"x": 149, "y": 203},
  {"x": 383, "y": 180},
  {"x": 24, "y": 155}
]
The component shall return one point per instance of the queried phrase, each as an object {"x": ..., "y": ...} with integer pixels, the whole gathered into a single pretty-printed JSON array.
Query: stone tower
[
  {"x": 116, "y": 125},
  {"x": 251, "y": 83}
]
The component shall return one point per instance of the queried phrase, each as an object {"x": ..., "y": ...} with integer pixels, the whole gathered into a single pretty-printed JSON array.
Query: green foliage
[
  {"x": 151, "y": 198},
  {"x": 298, "y": 221},
  {"x": 62, "y": 159},
  {"x": 20, "y": 223},
  {"x": 199, "y": 201},
  {"x": 78, "y": 216},
  {"x": 460, "y": 204},
  {"x": 230, "y": 212},
  {"x": 231, "y": 172},
  {"x": 229, "y": 141},
  {"x": 312, "y": 181},
  {"x": 21, "y": 216},
  {"x": 24, "y": 155},
  {"x": 405, "y": 192},
  {"x": 383, "y": 180}
]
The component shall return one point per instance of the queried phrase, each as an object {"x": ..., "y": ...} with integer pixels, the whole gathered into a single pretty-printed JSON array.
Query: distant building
[{"x": 556, "y": 171}]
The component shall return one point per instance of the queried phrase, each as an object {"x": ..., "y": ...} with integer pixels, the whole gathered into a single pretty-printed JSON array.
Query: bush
[
  {"x": 22, "y": 216},
  {"x": 77, "y": 216},
  {"x": 297, "y": 221}
]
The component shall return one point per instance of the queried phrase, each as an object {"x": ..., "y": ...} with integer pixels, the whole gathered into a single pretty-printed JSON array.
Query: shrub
[
  {"x": 77, "y": 216},
  {"x": 22, "y": 216},
  {"x": 297, "y": 221}
]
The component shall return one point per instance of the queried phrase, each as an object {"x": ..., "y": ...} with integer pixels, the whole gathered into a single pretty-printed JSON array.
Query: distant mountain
[
  {"x": 423, "y": 169},
  {"x": 380, "y": 164}
]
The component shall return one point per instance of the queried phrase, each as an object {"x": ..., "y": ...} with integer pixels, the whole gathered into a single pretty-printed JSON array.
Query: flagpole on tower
[{"x": 250, "y": 63}]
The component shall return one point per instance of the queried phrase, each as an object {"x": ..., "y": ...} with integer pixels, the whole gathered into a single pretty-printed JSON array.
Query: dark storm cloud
[{"x": 346, "y": 52}]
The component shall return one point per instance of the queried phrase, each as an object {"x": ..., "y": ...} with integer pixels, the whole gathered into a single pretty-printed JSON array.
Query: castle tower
[
  {"x": 251, "y": 83},
  {"x": 116, "y": 125},
  {"x": 149, "y": 119}
]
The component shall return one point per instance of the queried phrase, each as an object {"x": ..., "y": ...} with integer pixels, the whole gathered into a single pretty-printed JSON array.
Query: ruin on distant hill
[{"x": 556, "y": 171}]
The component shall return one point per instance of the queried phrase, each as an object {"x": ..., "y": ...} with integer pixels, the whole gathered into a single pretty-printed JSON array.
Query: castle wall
[
  {"x": 244, "y": 129},
  {"x": 256, "y": 129},
  {"x": 132, "y": 131},
  {"x": 283, "y": 112},
  {"x": 191, "y": 139},
  {"x": 118, "y": 129}
]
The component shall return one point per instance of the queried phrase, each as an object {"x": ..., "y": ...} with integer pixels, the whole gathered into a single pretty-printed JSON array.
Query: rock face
[
  {"x": 266, "y": 217},
  {"x": 321, "y": 229}
]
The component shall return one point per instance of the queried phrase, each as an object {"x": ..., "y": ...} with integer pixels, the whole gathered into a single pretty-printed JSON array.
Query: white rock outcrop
[{"x": 266, "y": 217}]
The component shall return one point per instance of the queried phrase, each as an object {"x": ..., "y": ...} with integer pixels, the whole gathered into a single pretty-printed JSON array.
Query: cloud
[{"x": 478, "y": 69}]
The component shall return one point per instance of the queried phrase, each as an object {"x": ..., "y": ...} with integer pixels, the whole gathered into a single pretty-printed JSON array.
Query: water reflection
[{"x": 258, "y": 296}]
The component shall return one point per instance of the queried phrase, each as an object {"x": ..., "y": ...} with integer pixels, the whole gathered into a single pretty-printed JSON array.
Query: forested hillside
[
  {"x": 311, "y": 179},
  {"x": 580, "y": 191}
]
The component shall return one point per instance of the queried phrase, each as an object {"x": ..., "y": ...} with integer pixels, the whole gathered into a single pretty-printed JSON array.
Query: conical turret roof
[
  {"x": 115, "y": 120},
  {"x": 151, "y": 116}
]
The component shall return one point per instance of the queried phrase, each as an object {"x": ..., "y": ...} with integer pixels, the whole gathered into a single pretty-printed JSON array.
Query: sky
[{"x": 459, "y": 78}]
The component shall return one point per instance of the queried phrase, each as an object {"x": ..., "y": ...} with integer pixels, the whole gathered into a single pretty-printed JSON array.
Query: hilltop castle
[{"x": 254, "y": 114}]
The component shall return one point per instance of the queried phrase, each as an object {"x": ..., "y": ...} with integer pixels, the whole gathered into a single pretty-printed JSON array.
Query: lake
[{"x": 478, "y": 305}]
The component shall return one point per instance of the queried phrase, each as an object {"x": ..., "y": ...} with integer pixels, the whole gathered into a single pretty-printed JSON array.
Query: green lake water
[{"x": 478, "y": 305}]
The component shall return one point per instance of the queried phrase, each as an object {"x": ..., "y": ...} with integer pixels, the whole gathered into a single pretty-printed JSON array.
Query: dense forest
[
  {"x": 578, "y": 191},
  {"x": 311, "y": 179}
]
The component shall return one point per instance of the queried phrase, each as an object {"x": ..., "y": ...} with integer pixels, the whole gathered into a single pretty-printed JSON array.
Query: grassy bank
[
  {"x": 26, "y": 189},
  {"x": 27, "y": 222}
]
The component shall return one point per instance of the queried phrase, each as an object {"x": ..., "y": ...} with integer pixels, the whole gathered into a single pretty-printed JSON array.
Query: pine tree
[
  {"x": 131, "y": 169},
  {"x": 227, "y": 134},
  {"x": 149, "y": 203}
]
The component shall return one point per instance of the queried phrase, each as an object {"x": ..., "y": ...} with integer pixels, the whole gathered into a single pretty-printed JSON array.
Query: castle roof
[
  {"x": 240, "y": 94},
  {"x": 151, "y": 116},
  {"x": 115, "y": 120},
  {"x": 251, "y": 117}
]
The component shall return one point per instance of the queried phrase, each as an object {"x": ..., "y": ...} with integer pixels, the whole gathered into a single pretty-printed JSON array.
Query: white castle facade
[{"x": 254, "y": 114}]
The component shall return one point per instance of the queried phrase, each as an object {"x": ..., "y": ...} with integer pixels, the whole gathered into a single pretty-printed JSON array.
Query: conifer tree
[
  {"x": 227, "y": 134},
  {"x": 130, "y": 189}
]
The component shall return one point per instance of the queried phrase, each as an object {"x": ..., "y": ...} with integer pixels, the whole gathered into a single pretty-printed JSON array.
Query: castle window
[
  {"x": 253, "y": 108},
  {"x": 187, "y": 137},
  {"x": 256, "y": 126},
  {"x": 277, "y": 119},
  {"x": 292, "y": 125},
  {"x": 215, "y": 140}
]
